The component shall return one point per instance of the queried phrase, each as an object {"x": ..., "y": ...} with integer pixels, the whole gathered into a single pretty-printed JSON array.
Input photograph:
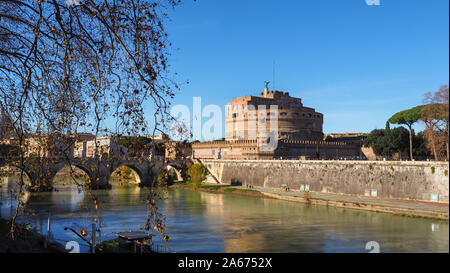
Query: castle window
[
  {"x": 235, "y": 115},
  {"x": 295, "y": 115},
  {"x": 283, "y": 114},
  {"x": 308, "y": 115}
]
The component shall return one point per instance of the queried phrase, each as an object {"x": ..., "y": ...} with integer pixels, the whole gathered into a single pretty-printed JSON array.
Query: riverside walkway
[{"x": 395, "y": 206}]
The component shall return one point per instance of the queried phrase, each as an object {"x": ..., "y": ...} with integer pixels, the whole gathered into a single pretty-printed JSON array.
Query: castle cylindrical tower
[{"x": 250, "y": 118}]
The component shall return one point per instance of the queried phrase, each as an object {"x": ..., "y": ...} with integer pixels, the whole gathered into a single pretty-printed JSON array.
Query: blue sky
[{"x": 356, "y": 64}]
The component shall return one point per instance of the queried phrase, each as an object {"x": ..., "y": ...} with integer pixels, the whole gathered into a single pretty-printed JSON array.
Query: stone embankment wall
[{"x": 425, "y": 181}]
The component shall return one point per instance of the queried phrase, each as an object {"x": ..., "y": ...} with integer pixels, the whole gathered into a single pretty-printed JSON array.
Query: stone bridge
[{"x": 41, "y": 171}]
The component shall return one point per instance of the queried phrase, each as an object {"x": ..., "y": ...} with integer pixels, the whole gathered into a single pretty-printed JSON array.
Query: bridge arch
[
  {"x": 77, "y": 167},
  {"x": 98, "y": 174},
  {"x": 173, "y": 168},
  {"x": 10, "y": 184},
  {"x": 138, "y": 173},
  {"x": 28, "y": 179}
]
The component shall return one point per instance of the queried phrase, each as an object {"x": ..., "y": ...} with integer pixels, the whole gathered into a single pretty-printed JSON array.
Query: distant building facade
[
  {"x": 49, "y": 145},
  {"x": 159, "y": 138},
  {"x": 177, "y": 149},
  {"x": 159, "y": 147},
  {"x": 80, "y": 147},
  {"x": 105, "y": 146}
]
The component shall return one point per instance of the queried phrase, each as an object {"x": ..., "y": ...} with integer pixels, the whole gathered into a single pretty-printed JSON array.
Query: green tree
[
  {"x": 408, "y": 118},
  {"x": 398, "y": 140},
  {"x": 196, "y": 174},
  {"x": 387, "y": 142},
  {"x": 420, "y": 146},
  {"x": 378, "y": 141},
  {"x": 166, "y": 178}
]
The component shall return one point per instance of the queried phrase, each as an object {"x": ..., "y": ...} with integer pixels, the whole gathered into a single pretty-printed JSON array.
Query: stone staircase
[{"x": 210, "y": 177}]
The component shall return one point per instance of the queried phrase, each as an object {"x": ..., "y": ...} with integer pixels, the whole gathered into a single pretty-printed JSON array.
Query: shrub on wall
[{"x": 196, "y": 174}]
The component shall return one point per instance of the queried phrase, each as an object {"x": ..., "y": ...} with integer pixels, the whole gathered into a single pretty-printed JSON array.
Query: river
[{"x": 210, "y": 222}]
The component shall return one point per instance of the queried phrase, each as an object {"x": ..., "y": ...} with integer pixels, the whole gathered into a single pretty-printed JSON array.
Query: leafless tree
[
  {"x": 435, "y": 115},
  {"x": 73, "y": 66}
]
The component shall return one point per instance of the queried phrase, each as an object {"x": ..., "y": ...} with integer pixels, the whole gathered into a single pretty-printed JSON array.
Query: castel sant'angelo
[
  {"x": 294, "y": 121},
  {"x": 273, "y": 116}
]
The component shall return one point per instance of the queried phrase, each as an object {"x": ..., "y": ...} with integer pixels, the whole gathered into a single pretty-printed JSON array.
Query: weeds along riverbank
[{"x": 26, "y": 240}]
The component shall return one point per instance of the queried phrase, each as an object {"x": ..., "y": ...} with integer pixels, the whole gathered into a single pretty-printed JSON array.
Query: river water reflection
[{"x": 209, "y": 222}]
